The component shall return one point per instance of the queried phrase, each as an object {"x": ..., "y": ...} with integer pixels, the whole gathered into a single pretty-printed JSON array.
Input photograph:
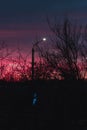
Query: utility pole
[
  {"x": 33, "y": 51},
  {"x": 33, "y": 63}
]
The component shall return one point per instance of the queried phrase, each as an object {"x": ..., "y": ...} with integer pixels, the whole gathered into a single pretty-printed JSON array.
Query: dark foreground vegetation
[{"x": 59, "y": 105}]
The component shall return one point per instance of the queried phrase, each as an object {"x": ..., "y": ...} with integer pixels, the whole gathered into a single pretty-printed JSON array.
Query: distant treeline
[{"x": 65, "y": 58}]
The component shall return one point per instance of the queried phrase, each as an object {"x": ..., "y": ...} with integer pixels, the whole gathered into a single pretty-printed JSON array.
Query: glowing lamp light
[{"x": 44, "y": 39}]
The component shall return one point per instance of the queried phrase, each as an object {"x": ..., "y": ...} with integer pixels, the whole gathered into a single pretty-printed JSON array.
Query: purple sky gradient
[{"x": 22, "y": 20}]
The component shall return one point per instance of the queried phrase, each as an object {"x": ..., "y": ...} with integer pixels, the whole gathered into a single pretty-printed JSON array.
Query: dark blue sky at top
[
  {"x": 22, "y": 20},
  {"x": 26, "y": 11}
]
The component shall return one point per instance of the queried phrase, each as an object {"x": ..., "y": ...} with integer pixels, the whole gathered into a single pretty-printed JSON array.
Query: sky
[{"x": 21, "y": 21}]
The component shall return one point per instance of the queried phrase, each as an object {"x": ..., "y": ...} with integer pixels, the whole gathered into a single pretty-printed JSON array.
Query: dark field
[{"x": 58, "y": 105}]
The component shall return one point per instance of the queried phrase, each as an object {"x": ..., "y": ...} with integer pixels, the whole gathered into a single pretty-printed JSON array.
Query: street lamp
[{"x": 33, "y": 51}]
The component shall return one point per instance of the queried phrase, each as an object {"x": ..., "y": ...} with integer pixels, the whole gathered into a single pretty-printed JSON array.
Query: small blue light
[{"x": 34, "y": 99}]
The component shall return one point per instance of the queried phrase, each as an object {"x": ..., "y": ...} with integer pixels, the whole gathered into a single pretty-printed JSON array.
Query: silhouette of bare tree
[
  {"x": 66, "y": 50},
  {"x": 4, "y": 54}
]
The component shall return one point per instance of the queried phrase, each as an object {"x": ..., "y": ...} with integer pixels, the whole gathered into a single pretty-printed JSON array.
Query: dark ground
[{"x": 59, "y": 105}]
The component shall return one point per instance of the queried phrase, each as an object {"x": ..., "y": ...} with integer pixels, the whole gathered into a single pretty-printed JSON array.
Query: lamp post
[{"x": 33, "y": 51}]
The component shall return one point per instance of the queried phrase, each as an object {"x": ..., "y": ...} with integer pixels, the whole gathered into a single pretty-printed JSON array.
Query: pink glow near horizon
[
  {"x": 16, "y": 65},
  {"x": 24, "y": 39},
  {"x": 16, "y": 69}
]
